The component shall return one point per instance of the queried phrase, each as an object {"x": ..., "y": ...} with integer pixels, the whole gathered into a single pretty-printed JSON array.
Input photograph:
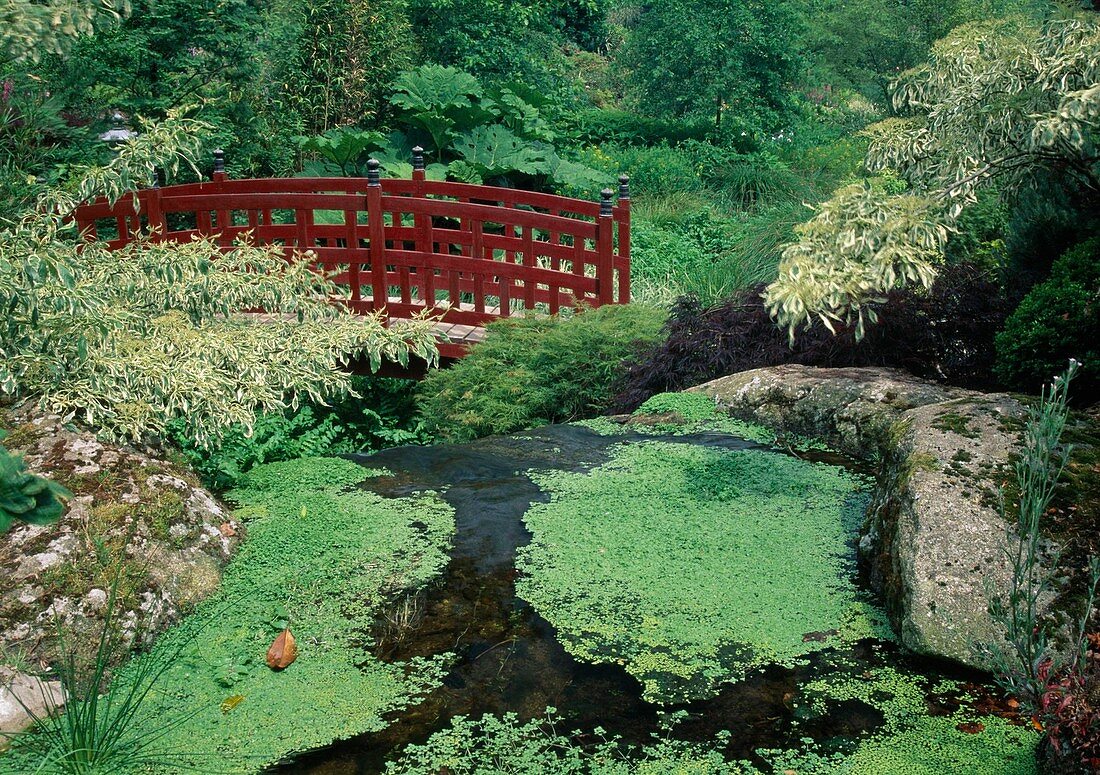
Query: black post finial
[
  {"x": 373, "y": 166},
  {"x": 219, "y": 160},
  {"x": 418, "y": 158},
  {"x": 624, "y": 187},
  {"x": 605, "y": 202},
  {"x": 158, "y": 177}
]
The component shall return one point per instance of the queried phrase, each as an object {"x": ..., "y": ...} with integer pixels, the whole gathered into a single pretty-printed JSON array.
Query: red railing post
[
  {"x": 418, "y": 169},
  {"x": 605, "y": 250},
  {"x": 624, "y": 239},
  {"x": 422, "y": 228},
  {"x": 222, "y": 216},
  {"x": 377, "y": 231},
  {"x": 424, "y": 239}
]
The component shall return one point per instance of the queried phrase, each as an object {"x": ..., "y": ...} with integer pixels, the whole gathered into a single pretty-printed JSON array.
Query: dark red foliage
[
  {"x": 1069, "y": 711},
  {"x": 945, "y": 334}
]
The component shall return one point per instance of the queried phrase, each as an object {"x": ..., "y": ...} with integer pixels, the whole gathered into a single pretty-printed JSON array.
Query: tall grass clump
[
  {"x": 1026, "y": 657},
  {"x": 103, "y": 727}
]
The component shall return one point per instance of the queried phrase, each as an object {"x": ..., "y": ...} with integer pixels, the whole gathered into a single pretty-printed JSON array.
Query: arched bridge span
[{"x": 466, "y": 253}]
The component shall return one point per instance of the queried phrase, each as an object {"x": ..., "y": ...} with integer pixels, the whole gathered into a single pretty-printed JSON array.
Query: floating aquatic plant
[
  {"x": 690, "y": 565},
  {"x": 330, "y": 557}
]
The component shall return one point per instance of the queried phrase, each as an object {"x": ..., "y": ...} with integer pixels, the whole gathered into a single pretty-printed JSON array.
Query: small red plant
[{"x": 1069, "y": 707}]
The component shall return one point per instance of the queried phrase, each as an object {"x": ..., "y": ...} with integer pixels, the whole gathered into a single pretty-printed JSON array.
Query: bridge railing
[{"x": 468, "y": 253}]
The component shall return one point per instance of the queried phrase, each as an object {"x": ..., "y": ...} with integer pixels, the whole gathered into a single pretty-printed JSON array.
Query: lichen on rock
[{"x": 138, "y": 523}]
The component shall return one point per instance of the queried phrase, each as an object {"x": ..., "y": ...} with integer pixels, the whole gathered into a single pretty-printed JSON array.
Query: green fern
[{"x": 381, "y": 413}]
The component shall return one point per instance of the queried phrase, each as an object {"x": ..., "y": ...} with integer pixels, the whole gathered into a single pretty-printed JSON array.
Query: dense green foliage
[
  {"x": 1005, "y": 101},
  {"x": 715, "y": 58},
  {"x": 1057, "y": 320},
  {"x": 535, "y": 371},
  {"x": 32, "y": 29},
  {"x": 330, "y": 62},
  {"x": 25, "y": 496},
  {"x": 325, "y": 561},
  {"x": 378, "y": 412},
  {"x": 604, "y": 550}
]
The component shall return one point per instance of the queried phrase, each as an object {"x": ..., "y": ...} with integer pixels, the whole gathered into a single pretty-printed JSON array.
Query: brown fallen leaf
[
  {"x": 971, "y": 727},
  {"x": 283, "y": 651},
  {"x": 227, "y": 529}
]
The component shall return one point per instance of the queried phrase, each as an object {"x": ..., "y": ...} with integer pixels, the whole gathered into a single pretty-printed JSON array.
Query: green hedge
[
  {"x": 1057, "y": 320},
  {"x": 535, "y": 371}
]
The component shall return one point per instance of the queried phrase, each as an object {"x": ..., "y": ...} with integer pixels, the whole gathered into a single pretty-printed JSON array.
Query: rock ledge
[{"x": 933, "y": 540}]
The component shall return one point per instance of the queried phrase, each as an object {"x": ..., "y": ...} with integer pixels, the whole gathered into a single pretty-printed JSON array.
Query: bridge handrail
[{"x": 470, "y": 253}]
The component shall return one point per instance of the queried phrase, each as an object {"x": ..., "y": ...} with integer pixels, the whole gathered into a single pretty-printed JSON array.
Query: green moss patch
[
  {"x": 955, "y": 423},
  {"x": 691, "y": 565},
  {"x": 324, "y": 558}
]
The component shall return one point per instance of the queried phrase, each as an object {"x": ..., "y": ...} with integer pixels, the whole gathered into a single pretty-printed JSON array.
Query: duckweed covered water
[
  {"x": 684, "y": 598},
  {"x": 793, "y": 675},
  {"x": 691, "y": 566}
]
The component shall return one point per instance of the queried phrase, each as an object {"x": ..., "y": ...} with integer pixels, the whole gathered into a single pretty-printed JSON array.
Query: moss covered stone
[{"x": 692, "y": 565}]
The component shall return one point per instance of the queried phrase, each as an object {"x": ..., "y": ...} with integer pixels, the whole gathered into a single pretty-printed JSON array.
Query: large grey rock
[
  {"x": 933, "y": 540},
  {"x": 132, "y": 509},
  {"x": 853, "y": 409},
  {"x": 24, "y": 698}
]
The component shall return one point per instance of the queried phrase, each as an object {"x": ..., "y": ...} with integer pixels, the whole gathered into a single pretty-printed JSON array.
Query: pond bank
[{"x": 678, "y": 591}]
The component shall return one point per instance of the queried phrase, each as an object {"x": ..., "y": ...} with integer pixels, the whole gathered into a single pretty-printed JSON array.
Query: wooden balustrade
[{"x": 467, "y": 253}]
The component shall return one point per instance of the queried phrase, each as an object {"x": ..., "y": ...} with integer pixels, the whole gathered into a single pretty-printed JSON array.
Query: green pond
[{"x": 581, "y": 599}]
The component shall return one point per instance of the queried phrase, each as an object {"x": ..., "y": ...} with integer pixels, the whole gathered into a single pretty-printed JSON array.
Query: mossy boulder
[
  {"x": 851, "y": 409},
  {"x": 135, "y": 515},
  {"x": 933, "y": 539}
]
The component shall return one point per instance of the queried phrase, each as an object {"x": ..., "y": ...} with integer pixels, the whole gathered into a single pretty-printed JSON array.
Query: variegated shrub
[{"x": 997, "y": 101}]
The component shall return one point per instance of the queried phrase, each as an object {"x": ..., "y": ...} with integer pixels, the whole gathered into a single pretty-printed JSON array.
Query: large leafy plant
[
  {"x": 474, "y": 135},
  {"x": 483, "y": 135},
  {"x": 440, "y": 101},
  {"x": 341, "y": 151}
]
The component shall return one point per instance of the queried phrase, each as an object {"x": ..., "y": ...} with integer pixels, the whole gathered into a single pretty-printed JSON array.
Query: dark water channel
[{"x": 507, "y": 656}]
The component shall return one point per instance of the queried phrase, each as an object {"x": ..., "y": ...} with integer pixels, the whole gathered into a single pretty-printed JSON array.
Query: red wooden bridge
[{"x": 466, "y": 253}]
